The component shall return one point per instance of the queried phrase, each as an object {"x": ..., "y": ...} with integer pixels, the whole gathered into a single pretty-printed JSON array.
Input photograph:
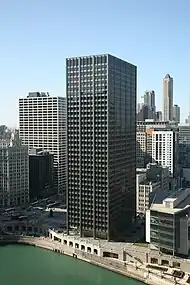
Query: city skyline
[
  {"x": 92, "y": 171},
  {"x": 34, "y": 46}
]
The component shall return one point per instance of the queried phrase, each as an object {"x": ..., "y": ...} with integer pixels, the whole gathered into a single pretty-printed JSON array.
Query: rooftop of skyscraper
[
  {"x": 167, "y": 76},
  {"x": 172, "y": 203},
  {"x": 38, "y": 94}
]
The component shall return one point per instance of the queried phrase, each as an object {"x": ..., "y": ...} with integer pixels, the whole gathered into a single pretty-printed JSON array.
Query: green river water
[{"x": 27, "y": 265}]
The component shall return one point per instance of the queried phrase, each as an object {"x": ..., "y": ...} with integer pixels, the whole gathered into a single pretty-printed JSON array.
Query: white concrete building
[
  {"x": 42, "y": 123},
  {"x": 164, "y": 149},
  {"x": 14, "y": 173},
  {"x": 144, "y": 139},
  {"x": 145, "y": 189}
]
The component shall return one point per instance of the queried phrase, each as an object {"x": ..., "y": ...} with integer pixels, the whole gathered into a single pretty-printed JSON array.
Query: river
[{"x": 27, "y": 265}]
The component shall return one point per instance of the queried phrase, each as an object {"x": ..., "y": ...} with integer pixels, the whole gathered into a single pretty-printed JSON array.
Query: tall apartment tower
[
  {"x": 176, "y": 113},
  {"x": 42, "y": 121},
  {"x": 165, "y": 149},
  {"x": 168, "y": 98},
  {"x": 101, "y": 113}
]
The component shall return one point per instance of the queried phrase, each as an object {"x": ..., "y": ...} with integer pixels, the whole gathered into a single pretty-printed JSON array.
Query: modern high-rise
[
  {"x": 149, "y": 101},
  {"x": 40, "y": 174},
  {"x": 187, "y": 121},
  {"x": 168, "y": 98},
  {"x": 176, "y": 113},
  {"x": 42, "y": 122},
  {"x": 139, "y": 107},
  {"x": 144, "y": 113},
  {"x": 14, "y": 172},
  {"x": 184, "y": 145},
  {"x": 101, "y": 115},
  {"x": 159, "y": 116}
]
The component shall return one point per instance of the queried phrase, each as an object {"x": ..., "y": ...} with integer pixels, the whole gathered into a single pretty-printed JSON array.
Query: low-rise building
[
  {"x": 156, "y": 172},
  {"x": 168, "y": 223},
  {"x": 146, "y": 192},
  {"x": 149, "y": 181}
]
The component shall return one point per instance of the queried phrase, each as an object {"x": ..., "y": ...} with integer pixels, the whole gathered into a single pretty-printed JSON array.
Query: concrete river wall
[{"x": 139, "y": 272}]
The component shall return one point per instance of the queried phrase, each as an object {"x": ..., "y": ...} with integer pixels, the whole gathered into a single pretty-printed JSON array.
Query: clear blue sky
[{"x": 37, "y": 35}]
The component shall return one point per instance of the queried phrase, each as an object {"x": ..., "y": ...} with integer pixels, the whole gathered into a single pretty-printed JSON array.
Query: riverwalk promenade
[{"x": 136, "y": 270}]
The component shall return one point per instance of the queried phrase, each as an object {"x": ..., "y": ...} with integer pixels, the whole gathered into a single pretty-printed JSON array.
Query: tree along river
[{"x": 27, "y": 265}]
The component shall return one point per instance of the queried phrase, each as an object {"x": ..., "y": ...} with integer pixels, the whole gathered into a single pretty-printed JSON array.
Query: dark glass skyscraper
[
  {"x": 40, "y": 174},
  {"x": 101, "y": 142}
]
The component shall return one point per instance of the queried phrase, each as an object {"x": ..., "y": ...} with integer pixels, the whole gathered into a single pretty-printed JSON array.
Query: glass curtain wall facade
[{"x": 101, "y": 155}]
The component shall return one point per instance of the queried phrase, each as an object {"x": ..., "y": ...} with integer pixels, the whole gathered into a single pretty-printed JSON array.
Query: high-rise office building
[
  {"x": 187, "y": 121},
  {"x": 40, "y": 174},
  {"x": 184, "y": 145},
  {"x": 144, "y": 113},
  {"x": 139, "y": 107},
  {"x": 101, "y": 113},
  {"x": 14, "y": 172},
  {"x": 149, "y": 101},
  {"x": 42, "y": 121},
  {"x": 176, "y": 113},
  {"x": 168, "y": 98},
  {"x": 159, "y": 116}
]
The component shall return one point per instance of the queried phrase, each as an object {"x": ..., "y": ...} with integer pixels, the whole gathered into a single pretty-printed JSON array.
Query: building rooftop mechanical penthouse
[{"x": 101, "y": 111}]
